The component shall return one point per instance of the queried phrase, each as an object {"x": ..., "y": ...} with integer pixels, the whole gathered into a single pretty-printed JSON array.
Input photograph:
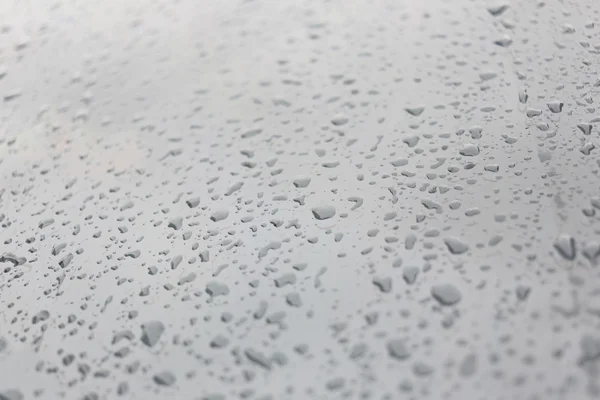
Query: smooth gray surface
[{"x": 299, "y": 199}]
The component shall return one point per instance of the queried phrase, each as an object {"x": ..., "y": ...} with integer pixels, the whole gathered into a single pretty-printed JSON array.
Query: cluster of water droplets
[{"x": 289, "y": 200}]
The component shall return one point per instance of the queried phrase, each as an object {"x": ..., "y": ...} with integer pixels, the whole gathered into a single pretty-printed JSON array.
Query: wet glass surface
[{"x": 299, "y": 199}]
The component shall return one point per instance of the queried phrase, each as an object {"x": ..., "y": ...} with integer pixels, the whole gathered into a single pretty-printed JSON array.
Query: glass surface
[{"x": 301, "y": 199}]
